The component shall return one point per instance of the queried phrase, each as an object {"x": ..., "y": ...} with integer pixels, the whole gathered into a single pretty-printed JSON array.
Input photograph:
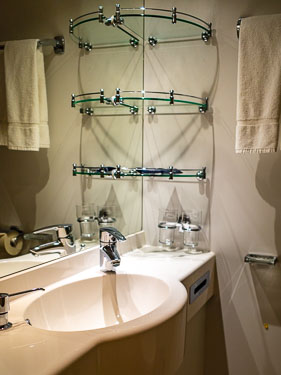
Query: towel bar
[
  {"x": 57, "y": 43},
  {"x": 261, "y": 259}
]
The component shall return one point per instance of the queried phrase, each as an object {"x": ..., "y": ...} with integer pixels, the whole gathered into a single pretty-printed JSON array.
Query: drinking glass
[
  {"x": 191, "y": 226},
  {"x": 167, "y": 223},
  {"x": 86, "y": 217}
]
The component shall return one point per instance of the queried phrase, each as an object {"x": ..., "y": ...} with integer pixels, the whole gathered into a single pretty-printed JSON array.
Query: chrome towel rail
[
  {"x": 261, "y": 259},
  {"x": 57, "y": 42}
]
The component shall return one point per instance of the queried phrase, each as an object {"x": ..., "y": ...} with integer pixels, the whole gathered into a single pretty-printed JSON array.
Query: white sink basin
[{"x": 108, "y": 300}]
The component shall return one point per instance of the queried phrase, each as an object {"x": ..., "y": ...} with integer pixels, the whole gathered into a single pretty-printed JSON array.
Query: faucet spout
[{"x": 109, "y": 255}]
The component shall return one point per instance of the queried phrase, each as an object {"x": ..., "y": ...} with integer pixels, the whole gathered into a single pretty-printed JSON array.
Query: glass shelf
[
  {"x": 124, "y": 102},
  {"x": 133, "y": 26},
  {"x": 119, "y": 172}
]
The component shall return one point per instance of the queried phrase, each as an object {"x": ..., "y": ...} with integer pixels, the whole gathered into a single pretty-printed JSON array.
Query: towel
[
  {"x": 259, "y": 84},
  {"x": 27, "y": 113},
  {"x": 3, "y": 105}
]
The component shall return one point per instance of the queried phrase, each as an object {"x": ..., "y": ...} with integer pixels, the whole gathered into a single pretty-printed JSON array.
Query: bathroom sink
[{"x": 107, "y": 300}]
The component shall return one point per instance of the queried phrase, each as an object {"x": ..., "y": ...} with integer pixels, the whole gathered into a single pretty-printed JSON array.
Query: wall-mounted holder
[
  {"x": 124, "y": 27},
  {"x": 261, "y": 259},
  {"x": 58, "y": 43},
  {"x": 132, "y": 100},
  {"x": 118, "y": 172},
  {"x": 238, "y": 27}
]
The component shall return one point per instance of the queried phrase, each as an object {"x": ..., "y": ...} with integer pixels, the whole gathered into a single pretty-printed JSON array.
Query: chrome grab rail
[{"x": 261, "y": 259}]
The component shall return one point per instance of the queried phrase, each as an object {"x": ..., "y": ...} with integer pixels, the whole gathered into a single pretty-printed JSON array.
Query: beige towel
[
  {"x": 27, "y": 111},
  {"x": 3, "y": 105},
  {"x": 259, "y": 84}
]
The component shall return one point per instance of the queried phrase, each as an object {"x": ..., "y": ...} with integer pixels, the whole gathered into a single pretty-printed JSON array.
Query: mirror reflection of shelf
[
  {"x": 131, "y": 102},
  {"x": 133, "y": 26},
  {"x": 118, "y": 172}
]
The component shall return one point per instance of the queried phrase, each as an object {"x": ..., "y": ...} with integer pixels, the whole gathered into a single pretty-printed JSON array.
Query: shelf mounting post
[{"x": 174, "y": 15}]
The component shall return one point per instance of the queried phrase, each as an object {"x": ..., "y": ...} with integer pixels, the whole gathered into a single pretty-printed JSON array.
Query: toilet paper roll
[{"x": 6, "y": 243}]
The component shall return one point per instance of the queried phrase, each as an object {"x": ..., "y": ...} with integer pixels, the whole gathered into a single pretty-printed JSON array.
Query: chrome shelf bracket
[
  {"x": 206, "y": 35},
  {"x": 174, "y": 15},
  {"x": 101, "y": 95},
  {"x": 152, "y": 40},
  {"x": 101, "y": 16},
  {"x": 87, "y": 111},
  {"x": 201, "y": 174},
  {"x": 151, "y": 109},
  {"x": 134, "y": 42},
  {"x": 71, "y": 26},
  {"x": 203, "y": 109},
  {"x": 172, "y": 98},
  {"x": 87, "y": 46}
]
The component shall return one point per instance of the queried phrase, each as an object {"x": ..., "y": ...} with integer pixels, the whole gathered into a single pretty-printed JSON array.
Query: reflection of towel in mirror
[
  {"x": 259, "y": 84},
  {"x": 27, "y": 112}
]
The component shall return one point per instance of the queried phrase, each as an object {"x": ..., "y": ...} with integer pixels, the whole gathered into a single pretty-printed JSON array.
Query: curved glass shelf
[
  {"x": 160, "y": 102},
  {"x": 126, "y": 27},
  {"x": 119, "y": 172}
]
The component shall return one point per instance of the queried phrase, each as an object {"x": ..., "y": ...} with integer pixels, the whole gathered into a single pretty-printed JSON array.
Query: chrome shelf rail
[
  {"x": 117, "y": 172},
  {"x": 124, "y": 98},
  {"x": 121, "y": 20}
]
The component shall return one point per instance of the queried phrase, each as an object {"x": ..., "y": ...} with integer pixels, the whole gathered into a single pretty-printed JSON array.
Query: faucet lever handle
[
  {"x": 61, "y": 230},
  {"x": 113, "y": 232}
]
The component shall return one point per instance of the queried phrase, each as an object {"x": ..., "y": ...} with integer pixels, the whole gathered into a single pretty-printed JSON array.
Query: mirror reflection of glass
[{"x": 86, "y": 217}]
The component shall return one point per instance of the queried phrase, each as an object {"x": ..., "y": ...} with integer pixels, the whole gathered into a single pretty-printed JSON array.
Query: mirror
[{"x": 37, "y": 189}]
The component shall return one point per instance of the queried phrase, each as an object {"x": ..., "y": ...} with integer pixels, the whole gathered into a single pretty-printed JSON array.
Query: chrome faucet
[
  {"x": 55, "y": 235},
  {"x": 109, "y": 256},
  {"x": 5, "y": 307}
]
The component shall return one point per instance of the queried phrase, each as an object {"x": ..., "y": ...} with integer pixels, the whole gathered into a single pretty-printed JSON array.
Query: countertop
[{"x": 28, "y": 350}]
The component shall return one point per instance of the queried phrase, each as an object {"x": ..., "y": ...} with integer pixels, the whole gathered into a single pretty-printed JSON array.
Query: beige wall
[
  {"x": 242, "y": 192},
  {"x": 38, "y": 189},
  {"x": 240, "y": 199}
]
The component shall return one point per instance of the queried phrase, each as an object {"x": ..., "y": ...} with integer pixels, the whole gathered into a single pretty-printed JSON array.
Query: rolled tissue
[{"x": 12, "y": 248}]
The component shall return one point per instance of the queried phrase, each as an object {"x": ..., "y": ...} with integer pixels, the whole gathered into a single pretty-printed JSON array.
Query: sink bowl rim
[{"x": 174, "y": 302}]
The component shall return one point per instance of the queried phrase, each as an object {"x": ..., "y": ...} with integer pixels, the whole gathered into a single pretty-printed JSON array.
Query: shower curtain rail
[{"x": 57, "y": 42}]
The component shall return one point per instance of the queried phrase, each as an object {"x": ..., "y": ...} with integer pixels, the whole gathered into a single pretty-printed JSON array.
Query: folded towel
[
  {"x": 259, "y": 84},
  {"x": 27, "y": 111}
]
